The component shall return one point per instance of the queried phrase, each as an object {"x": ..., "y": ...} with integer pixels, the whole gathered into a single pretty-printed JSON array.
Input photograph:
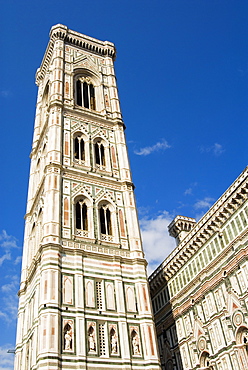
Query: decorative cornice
[
  {"x": 92, "y": 118},
  {"x": 208, "y": 225},
  {"x": 81, "y": 41}
]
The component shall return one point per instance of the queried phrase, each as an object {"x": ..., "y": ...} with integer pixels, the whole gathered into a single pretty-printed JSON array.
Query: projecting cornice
[
  {"x": 61, "y": 32},
  {"x": 206, "y": 227}
]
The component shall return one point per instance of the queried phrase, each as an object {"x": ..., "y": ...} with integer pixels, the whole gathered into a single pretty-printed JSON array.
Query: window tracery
[
  {"x": 81, "y": 215},
  {"x": 105, "y": 220},
  {"x": 79, "y": 149},
  {"x": 100, "y": 154},
  {"x": 85, "y": 93}
]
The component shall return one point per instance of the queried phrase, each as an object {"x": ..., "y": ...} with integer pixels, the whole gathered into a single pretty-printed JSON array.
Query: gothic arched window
[
  {"x": 81, "y": 215},
  {"x": 79, "y": 149},
  {"x": 105, "y": 220},
  {"x": 99, "y": 154},
  {"x": 85, "y": 94}
]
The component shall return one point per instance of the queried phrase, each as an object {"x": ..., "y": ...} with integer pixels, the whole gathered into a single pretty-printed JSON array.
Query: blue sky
[{"x": 182, "y": 70}]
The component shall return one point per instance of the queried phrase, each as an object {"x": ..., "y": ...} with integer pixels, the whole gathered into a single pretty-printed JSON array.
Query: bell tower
[{"x": 83, "y": 300}]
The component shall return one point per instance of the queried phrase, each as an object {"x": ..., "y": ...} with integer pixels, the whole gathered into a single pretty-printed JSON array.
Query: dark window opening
[
  {"x": 79, "y": 93},
  {"x": 85, "y": 95},
  {"x": 102, "y": 154},
  {"x": 81, "y": 216},
  {"x": 99, "y": 154},
  {"x": 79, "y": 152},
  {"x": 105, "y": 221},
  {"x": 102, "y": 221},
  {"x": 108, "y": 218}
]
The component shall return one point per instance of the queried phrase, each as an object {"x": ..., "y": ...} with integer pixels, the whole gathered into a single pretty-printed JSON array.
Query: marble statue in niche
[
  {"x": 68, "y": 336},
  {"x": 91, "y": 339},
  {"x": 135, "y": 343},
  {"x": 113, "y": 341}
]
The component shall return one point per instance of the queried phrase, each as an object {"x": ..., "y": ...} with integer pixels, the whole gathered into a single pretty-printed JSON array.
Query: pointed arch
[
  {"x": 99, "y": 153},
  {"x": 90, "y": 296},
  {"x": 79, "y": 148},
  {"x": 68, "y": 289},
  {"x": 130, "y": 299},
  {"x": 110, "y": 296},
  {"x": 81, "y": 215},
  {"x": 105, "y": 220}
]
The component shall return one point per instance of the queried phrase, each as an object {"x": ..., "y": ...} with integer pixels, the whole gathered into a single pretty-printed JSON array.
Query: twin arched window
[
  {"x": 79, "y": 148},
  {"x": 85, "y": 94},
  {"x": 81, "y": 215},
  {"x": 105, "y": 220},
  {"x": 82, "y": 218},
  {"x": 99, "y": 154}
]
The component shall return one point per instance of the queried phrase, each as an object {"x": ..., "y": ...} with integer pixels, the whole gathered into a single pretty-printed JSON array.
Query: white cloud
[
  {"x": 160, "y": 145},
  {"x": 18, "y": 260},
  {"x": 6, "y": 256},
  {"x": 4, "y": 316},
  {"x": 156, "y": 240},
  {"x": 6, "y": 359},
  {"x": 204, "y": 203},
  {"x": 7, "y": 242},
  {"x": 189, "y": 191},
  {"x": 216, "y": 149},
  {"x": 12, "y": 285},
  {"x": 9, "y": 299},
  {"x": 11, "y": 305}
]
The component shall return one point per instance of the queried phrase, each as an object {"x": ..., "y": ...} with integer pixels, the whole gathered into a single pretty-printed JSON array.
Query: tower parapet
[{"x": 180, "y": 227}]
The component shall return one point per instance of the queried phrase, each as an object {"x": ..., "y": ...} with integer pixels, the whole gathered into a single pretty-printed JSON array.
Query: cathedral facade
[
  {"x": 200, "y": 291},
  {"x": 84, "y": 299}
]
